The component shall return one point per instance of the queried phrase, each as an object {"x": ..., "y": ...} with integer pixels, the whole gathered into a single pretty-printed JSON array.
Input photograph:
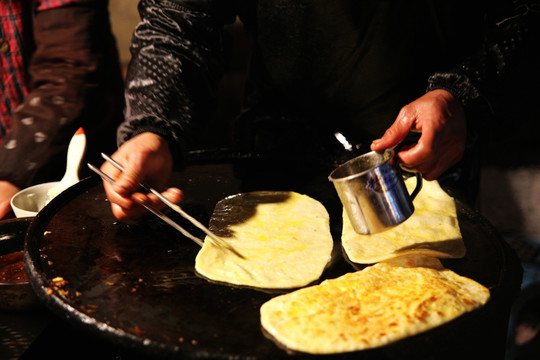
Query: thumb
[{"x": 394, "y": 134}]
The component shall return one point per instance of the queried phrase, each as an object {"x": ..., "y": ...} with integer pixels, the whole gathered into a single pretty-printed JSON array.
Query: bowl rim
[{"x": 30, "y": 189}]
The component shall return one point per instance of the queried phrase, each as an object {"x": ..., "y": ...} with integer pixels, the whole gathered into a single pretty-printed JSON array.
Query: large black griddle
[{"x": 133, "y": 283}]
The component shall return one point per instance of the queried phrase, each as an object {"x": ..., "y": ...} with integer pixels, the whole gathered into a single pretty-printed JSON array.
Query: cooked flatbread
[
  {"x": 432, "y": 229},
  {"x": 376, "y": 306},
  {"x": 283, "y": 236}
]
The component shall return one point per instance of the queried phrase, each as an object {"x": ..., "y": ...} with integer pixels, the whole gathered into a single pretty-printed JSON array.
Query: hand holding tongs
[{"x": 214, "y": 238}]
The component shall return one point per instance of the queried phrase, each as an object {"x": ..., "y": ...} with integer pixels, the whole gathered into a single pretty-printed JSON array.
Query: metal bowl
[{"x": 15, "y": 295}]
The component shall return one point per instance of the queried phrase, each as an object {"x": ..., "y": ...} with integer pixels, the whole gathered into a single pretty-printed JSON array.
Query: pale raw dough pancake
[
  {"x": 432, "y": 229},
  {"x": 376, "y": 306},
  {"x": 283, "y": 236}
]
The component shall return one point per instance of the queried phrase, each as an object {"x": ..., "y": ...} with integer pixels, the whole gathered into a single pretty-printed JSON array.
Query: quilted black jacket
[{"x": 320, "y": 66}]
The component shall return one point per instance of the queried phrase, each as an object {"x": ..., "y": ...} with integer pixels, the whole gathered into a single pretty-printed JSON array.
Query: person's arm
[
  {"x": 177, "y": 61},
  {"x": 513, "y": 36},
  {"x": 66, "y": 92}
]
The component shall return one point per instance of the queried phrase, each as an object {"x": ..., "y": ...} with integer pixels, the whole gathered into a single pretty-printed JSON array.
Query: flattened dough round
[
  {"x": 283, "y": 236},
  {"x": 378, "y": 305},
  {"x": 432, "y": 229}
]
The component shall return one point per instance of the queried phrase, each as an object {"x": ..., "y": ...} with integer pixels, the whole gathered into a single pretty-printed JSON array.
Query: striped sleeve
[{"x": 13, "y": 77}]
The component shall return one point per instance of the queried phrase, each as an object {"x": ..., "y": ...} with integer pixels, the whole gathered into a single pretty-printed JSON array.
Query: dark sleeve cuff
[
  {"x": 457, "y": 84},
  {"x": 128, "y": 130}
]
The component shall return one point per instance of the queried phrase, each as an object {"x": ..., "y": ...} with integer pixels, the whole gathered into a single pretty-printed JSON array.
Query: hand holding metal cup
[{"x": 373, "y": 192}]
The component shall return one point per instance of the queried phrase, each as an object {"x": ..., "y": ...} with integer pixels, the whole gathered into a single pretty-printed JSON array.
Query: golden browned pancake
[
  {"x": 432, "y": 229},
  {"x": 378, "y": 305},
  {"x": 283, "y": 236}
]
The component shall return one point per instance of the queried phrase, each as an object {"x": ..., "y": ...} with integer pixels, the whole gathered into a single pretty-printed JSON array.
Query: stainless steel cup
[{"x": 373, "y": 193}]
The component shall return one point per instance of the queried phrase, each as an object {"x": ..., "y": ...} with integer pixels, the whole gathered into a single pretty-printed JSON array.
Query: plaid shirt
[{"x": 15, "y": 50}]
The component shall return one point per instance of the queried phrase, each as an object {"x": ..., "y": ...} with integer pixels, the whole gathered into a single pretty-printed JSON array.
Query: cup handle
[{"x": 419, "y": 183}]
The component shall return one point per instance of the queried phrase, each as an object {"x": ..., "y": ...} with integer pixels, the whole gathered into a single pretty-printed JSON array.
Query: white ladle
[{"x": 75, "y": 154}]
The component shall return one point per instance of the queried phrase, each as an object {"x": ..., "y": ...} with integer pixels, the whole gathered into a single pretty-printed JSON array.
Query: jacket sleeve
[
  {"x": 67, "y": 91},
  {"x": 177, "y": 60},
  {"x": 512, "y": 38}
]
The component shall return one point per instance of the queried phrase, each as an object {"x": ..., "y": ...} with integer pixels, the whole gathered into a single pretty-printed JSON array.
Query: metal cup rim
[{"x": 332, "y": 177}]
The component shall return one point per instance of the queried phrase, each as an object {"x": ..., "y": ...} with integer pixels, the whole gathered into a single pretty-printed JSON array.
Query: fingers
[
  {"x": 131, "y": 208},
  {"x": 144, "y": 158},
  {"x": 395, "y": 134},
  {"x": 7, "y": 190},
  {"x": 125, "y": 194},
  {"x": 431, "y": 156},
  {"x": 420, "y": 154},
  {"x": 440, "y": 119},
  {"x": 125, "y": 182}
]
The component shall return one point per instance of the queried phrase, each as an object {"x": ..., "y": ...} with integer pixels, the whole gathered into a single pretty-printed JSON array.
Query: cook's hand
[
  {"x": 439, "y": 116},
  {"x": 146, "y": 158},
  {"x": 7, "y": 190}
]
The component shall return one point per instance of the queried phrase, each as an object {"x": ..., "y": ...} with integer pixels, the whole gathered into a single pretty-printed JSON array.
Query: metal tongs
[{"x": 216, "y": 240}]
